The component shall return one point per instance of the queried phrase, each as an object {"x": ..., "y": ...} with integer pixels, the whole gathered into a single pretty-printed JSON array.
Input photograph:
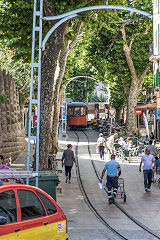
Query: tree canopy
[{"x": 112, "y": 47}]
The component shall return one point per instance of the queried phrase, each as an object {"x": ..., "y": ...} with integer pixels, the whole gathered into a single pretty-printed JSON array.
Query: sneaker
[
  {"x": 111, "y": 200},
  {"x": 66, "y": 180},
  {"x": 69, "y": 181},
  {"x": 114, "y": 194},
  {"x": 148, "y": 190}
]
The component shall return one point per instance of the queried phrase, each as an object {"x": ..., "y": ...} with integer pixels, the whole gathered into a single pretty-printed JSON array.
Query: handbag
[
  {"x": 155, "y": 177},
  {"x": 101, "y": 184}
]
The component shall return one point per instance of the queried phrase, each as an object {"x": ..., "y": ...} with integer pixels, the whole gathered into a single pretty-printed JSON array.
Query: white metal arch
[
  {"x": 85, "y": 9},
  {"x": 76, "y": 77},
  {"x": 66, "y": 16},
  {"x": 64, "y": 104}
]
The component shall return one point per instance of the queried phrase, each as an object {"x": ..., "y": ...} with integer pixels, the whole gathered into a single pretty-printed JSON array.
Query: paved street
[{"x": 82, "y": 224}]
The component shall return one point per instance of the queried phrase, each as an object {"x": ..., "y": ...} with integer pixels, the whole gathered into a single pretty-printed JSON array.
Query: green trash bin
[{"x": 48, "y": 180}]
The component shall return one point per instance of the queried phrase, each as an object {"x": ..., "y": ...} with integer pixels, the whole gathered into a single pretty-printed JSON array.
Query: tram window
[
  {"x": 82, "y": 111},
  {"x": 70, "y": 111},
  {"x": 77, "y": 111}
]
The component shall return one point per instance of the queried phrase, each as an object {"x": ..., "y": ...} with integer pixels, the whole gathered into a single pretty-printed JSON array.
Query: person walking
[
  {"x": 101, "y": 144},
  {"x": 152, "y": 136},
  {"x": 152, "y": 148},
  {"x": 110, "y": 142},
  {"x": 2, "y": 165},
  {"x": 113, "y": 169},
  {"x": 67, "y": 160},
  {"x": 147, "y": 160}
]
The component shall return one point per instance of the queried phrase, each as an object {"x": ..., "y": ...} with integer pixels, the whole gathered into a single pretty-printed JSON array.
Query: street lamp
[{"x": 144, "y": 94}]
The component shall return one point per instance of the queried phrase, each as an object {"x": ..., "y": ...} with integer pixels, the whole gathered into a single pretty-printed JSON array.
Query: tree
[
  {"x": 125, "y": 50},
  {"x": 16, "y": 29},
  {"x": 16, "y": 26}
]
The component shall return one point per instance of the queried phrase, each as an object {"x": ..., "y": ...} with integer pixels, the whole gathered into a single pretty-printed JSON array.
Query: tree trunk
[
  {"x": 136, "y": 83},
  {"x": 118, "y": 116},
  {"x": 131, "y": 104},
  {"x": 53, "y": 68},
  {"x": 61, "y": 66},
  {"x": 48, "y": 97}
]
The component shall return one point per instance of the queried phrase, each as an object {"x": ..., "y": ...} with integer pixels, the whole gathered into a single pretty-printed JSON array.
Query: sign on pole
[
  {"x": 112, "y": 112},
  {"x": 138, "y": 112}
]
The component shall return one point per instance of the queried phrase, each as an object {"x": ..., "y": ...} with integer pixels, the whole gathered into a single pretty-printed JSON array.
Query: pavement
[{"x": 82, "y": 223}]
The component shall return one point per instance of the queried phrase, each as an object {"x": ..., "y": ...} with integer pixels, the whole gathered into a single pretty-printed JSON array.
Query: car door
[
  {"x": 32, "y": 224},
  {"x": 56, "y": 220},
  {"x": 40, "y": 218},
  {"x": 8, "y": 210}
]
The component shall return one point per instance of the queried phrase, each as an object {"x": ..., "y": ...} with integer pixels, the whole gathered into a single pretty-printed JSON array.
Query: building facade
[{"x": 155, "y": 58}]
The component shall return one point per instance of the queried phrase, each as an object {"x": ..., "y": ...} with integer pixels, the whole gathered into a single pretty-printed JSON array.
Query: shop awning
[{"x": 149, "y": 106}]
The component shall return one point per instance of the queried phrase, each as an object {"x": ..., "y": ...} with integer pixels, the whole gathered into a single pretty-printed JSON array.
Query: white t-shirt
[
  {"x": 110, "y": 142},
  {"x": 101, "y": 141}
]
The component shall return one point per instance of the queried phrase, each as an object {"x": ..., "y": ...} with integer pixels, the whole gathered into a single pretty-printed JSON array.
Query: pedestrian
[
  {"x": 129, "y": 143},
  {"x": 67, "y": 160},
  {"x": 113, "y": 168},
  {"x": 101, "y": 144},
  {"x": 147, "y": 161},
  {"x": 152, "y": 136},
  {"x": 157, "y": 162},
  {"x": 152, "y": 148},
  {"x": 2, "y": 165},
  {"x": 110, "y": 142}
]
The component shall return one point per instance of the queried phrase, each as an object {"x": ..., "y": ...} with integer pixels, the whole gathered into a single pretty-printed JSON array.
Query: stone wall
[{"x": 12, "y": 134}]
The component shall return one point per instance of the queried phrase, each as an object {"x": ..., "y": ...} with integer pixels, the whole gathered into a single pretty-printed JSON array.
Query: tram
[{"x": 77, "y": 114}]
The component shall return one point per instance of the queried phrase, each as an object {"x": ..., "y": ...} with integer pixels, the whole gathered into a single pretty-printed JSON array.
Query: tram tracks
[
  {"x": 90, "y": 205},
  {"x": 88, "y": 202}
]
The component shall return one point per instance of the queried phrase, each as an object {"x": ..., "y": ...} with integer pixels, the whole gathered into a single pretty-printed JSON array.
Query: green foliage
[
  {"x": 17, "y": 18},
  {"x": 90, "y": 56},
  {"x": 121, "y": 133},
  {"x": 2, "y": 97},
  {"x": 18, "y": 70},
  {"x": 105, "y": 50},
  {"x": 16, "y": 26}
]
